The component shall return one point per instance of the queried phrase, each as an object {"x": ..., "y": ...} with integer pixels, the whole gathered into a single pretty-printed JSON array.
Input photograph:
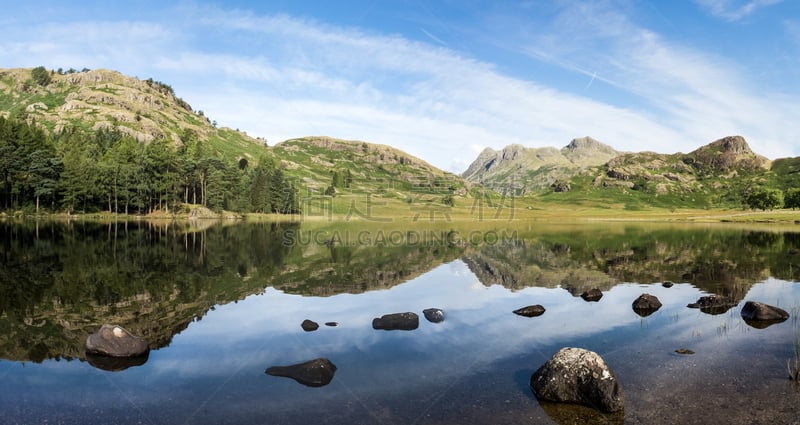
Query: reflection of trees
[{"x": 722, "y": 261}]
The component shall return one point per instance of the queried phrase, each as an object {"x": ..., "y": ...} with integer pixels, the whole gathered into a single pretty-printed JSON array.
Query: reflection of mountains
[
  {"x": 59, "y": 282},
  {"x": 722, "y": 261}
]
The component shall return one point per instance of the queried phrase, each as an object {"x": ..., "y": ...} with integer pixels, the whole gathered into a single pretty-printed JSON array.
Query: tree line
[{"x": 106, "y": 170}]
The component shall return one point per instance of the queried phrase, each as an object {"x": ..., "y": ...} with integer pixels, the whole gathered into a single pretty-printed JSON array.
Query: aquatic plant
[{"x": 793, "y": 364}]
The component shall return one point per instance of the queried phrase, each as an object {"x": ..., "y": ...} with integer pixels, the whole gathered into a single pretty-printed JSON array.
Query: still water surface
[{"x": 221, "y": 304}]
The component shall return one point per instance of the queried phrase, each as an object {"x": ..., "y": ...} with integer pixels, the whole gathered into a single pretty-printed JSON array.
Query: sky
[{"x": 445, "y": 79}]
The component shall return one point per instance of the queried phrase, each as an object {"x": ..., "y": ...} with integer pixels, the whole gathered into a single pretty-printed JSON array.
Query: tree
[
  {"x": 40, "y": 76},
  {"x": 44, "y": 170},
  {"x": 791, "y": 198},
  {"x": 765, "y": 199}
]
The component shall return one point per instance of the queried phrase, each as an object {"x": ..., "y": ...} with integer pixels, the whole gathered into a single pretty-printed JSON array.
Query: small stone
[
  {"x": 530, "y": 311},
  {"x": 646, "y": 305},
  {"x": 309, "y": 325},
  {"x": 684, "y": 351},
  {"x": 592, "y": 295},
  {"x": 313, "y": 373},
  {"x": 434, "y": 315},
  {"x": 396, "y": 322},
  {"x": 116, "y": 341},
  {"x": 331, "y": 324},
  {"x": 667, "y": 284}
]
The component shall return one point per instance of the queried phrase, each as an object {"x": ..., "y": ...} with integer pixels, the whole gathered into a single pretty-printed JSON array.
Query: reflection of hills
[
  {"x": 59, "y": 282},
  {"x": 721, "y": 261}
]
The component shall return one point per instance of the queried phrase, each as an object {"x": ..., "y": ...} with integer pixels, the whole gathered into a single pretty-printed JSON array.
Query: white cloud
[{"x": 733, "y": 10}]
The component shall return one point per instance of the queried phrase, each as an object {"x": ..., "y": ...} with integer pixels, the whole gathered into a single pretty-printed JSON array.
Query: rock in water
[
  {"x": 396, "y": 322},
  {"x": 115, "y": 364},
  {"x": 593, "y": 295},
  {"x": 115, "y": 341},
  {"x": 575, "y": 375},
  {"x": 309, "y": 325},
  {"x": 713, "y": 304},
  {"x": 760, "y": 315},
  {"x": 313, "y": 373},
  {"x": 434, "y": 315},
  {"x": 646, "y": 305},
  {"x": 530, "y": 311}
]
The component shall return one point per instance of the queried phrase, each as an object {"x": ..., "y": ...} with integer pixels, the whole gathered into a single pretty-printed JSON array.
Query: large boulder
[
  {"x": 313, "y": 373},
  {"x": 760, "y": 315},
  {"x": 530, "y": 311},
  {"x": 434, "y": 315},
  {"x": 576, "y": 375},
  {"x": 115, "y": 341},
  {"x": 713, "y": 304},
  {"x": 646, "y": 305},
  {"x": 396, "y": 322}
]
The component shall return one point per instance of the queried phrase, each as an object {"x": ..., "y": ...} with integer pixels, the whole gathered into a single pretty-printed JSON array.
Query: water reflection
[{"x": 252, "y": 291}]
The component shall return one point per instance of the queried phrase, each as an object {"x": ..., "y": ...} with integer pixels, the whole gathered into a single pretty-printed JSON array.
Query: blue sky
[{"x": 444, "y": 79}]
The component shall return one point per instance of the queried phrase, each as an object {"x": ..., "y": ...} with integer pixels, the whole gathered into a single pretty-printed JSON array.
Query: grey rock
[
  {"x": 309, "y": 325},
  {"x": 530, "y": 311},
  {"x": 576, "y": 375},
  {"x": 313, "y": 373},
  {"x": 713, "y": 304},
  {"x": 434, "y": 315},
  {"x": 646, "y": 305},
  {"x": 115, "y": 341},
  {"x": 396, "y": 322},
  {"x": 760, "y": 315},
  {"x": 592, "y": 295}
]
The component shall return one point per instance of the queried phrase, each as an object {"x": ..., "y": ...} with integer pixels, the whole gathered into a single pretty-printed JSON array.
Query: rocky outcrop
[
  {"x": 576, "y": 375},
  {"x": 313, "y": 373},
  {"x": 592, "y": 295},
  {"x": 115, "y": 341},
  {"x": 760, "y": 315},
  {"x": 646, "y": 305},
  {"x": 530, "y": 311},
  {"x": 434, "y": 315},
  {"x": 396, "y": 322}
]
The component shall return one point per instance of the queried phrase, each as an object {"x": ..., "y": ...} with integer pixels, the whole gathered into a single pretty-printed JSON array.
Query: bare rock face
[
  {"x": 115, "y": 341},
  {"x": 646, "y": 305},
  {"x": 313, "y": 373},
  {"x": 576, "y": 375},
  {"x": 760, "y": 315},
  {"x": 396, "y": 321},
  {"x": 530, "y": 311}
]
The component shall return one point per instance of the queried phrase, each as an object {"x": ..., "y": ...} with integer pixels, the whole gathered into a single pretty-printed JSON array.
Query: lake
[{"x": 219, "y": 303}]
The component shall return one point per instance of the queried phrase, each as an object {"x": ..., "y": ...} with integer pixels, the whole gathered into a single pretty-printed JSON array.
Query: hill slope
[{"x": 537, "y": 168}]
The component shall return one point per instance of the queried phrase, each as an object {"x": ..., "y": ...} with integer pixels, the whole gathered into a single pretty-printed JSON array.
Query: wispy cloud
[{"x": 734, "y": 10}]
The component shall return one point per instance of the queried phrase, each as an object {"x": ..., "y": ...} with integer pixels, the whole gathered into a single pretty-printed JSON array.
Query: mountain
[
  {"x": 103, "y": 99},
  {"x": 536, "y": 168}
]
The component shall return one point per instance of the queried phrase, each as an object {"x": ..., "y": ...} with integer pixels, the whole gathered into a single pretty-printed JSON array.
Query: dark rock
[
  {"x": 309, "y": 325},
  {"x": 593, "y": 294},
  {"x": 568, "y": 413},
  {"x": 313, "y": 373},
  {"x": 396, "y": 322},
  {"x": 684, "y": 351},
  {"x": 713, "y": 304},
  {"x": 530, "y": 311},
  {"x": 434, "y": 315},
  {"x": 115, "y": 341},
  {"x": 760, "y": 315},
  {"x": 331, "y": 324},
  {"x": 646, "y": 305},
  {"x": 575, "y": 375},
  {"x": 116, "y": 364},
  {"x": 667, "y": 284}
]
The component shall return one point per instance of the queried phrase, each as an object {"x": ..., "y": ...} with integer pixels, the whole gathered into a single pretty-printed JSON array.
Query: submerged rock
[
  {"x": 313, "y": 373},
  {"x": 309, "y": 325},
  {"x": 592, "y": 295},
  {"x": 684, "y": 351},
  {"x": 332, "y": 324},
  {"x": 396, "y": 322},
  {"x": 713, "y": 304},
  {"x": 530, "y": 311},
  {"x": 576, "y": 375},
  {"x": 434, "y": 315},
  {"x": 115, "y": 341},
  {"x": 116, "y": 364},
  {"x": 646, "y": 305},
  {"x": 760, "y": 315}
]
